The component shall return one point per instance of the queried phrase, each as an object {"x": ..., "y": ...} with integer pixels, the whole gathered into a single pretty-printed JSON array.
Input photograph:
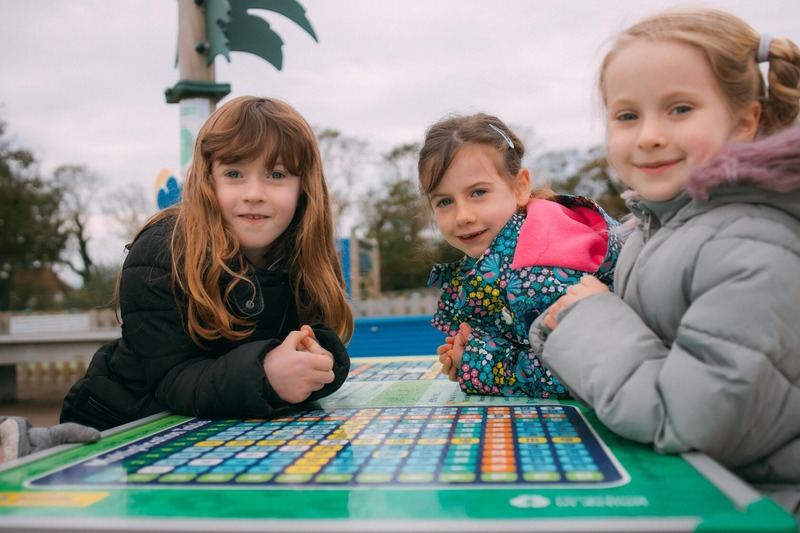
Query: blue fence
[{"x": 394, "y": 335}]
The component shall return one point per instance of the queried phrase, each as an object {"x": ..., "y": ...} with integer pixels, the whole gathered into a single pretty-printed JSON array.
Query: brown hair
[
  {"x": 445, "y": 139},
  {"x": 203, "y": 248},
  {"x": 730, "y": 46}
]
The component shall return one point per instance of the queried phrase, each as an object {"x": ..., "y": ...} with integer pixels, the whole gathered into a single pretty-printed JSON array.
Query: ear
[
  {"x": 746, "y": 127},
  {"x": 522, "y": 187}
]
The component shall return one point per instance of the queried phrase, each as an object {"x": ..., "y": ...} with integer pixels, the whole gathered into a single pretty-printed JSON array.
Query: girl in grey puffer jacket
[{"x": 699, "y": 346}]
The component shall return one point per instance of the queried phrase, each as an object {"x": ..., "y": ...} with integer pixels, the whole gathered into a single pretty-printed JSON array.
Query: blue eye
[
  {"x": 626, "y": 117},
  {"x": 680, "y": 110},
  {"x": 277, "y": 175},
  {"x": 478, "y": 192},
  {"x": 233, "y": 174},
  {"x": 444, "y": 203}
]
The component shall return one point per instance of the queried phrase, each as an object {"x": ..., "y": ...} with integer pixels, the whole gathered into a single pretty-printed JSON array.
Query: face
[
  {"x": 473, "y": 202},
  {"x": 257, "y": 203},
  {"x": 666, "y": 116}
]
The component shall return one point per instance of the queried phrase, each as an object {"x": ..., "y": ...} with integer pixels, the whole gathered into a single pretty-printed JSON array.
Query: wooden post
[
  {"x": 196, "y": 91},
  {"x": 192, "y": 63},
  {"x": 193, "y": 66}
]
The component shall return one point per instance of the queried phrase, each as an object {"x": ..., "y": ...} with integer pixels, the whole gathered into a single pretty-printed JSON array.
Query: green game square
[
  {"x": 541, "y": 476},
  {"x": 417, "y": 477},
  {"x": 152, "y": 455},
  {"x": 293, "y": 478},
  {"x": 460, "y": 460},
  {"x": 584, "y": 476},
  {"x": 177, "y": 478},
  {"x": 135, "y": 463},
  {"x": 498, "y": 477},
  {"x": 140, "y": 478},
  {"x": 215, "y": 478},
  {"x": 255, "y": 478},
  {"x": 374, "y": 478},
  {"x": 333, "y": 478},
  {"x": 457, "y": 477}
]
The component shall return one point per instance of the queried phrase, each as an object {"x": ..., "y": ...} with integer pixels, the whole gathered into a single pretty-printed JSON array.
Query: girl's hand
[
  {"x": 450, "y": 354},
  {"x": 588, "y": 286},
  {"x": 310, "y": 344},
  {"x": 445, "y": 353},
  {"x": 298, "y": 366}
]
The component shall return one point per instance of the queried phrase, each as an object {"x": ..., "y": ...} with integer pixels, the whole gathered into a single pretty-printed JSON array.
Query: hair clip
[
  {"x": 763, "y": 48},
  {"x": 503, "y": 135}
]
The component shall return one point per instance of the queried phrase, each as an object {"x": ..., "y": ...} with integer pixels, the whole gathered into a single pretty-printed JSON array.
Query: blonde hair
[
  {"x": 730, "y": 46},
  {"x": 204, "y": 248},
  {"x": 445, "y": 139}
]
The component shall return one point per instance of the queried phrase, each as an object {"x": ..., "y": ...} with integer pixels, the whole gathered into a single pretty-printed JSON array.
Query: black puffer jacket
[{"x": 155, "y": 366}]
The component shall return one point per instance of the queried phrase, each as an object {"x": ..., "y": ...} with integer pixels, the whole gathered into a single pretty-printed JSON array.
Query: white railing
[
  {"x": 13, "y": 323},
  {"x": 423, "y": 305},
  {"x": 51, "y": 347}
]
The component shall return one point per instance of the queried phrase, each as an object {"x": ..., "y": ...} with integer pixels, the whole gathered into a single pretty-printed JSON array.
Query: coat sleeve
[
  {"x": 341, "y": 360},
  {"x": 726, "y": 386},
  {"x": 235, "y": 384},
  {"x": 502, "y": 367}
]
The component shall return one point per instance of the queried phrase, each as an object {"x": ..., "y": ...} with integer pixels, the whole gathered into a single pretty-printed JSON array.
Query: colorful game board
[
  {"x": 382, "y": 370},
  {"x": 383, "y": 454},
  {"x": 465, "y": 447}
]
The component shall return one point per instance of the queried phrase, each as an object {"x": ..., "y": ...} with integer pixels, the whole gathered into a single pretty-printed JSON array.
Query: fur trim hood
[{"x": 772, "y": 163}]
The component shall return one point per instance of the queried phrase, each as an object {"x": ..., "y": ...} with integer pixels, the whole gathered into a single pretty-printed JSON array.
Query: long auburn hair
[{"x": 204, "y": 249}]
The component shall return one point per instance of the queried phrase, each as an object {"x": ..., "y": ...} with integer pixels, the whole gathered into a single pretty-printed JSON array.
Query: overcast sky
[{"x": 82, "y": 81}]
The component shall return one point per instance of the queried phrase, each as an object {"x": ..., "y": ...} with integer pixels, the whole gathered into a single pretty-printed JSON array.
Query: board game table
[{"x": 398, "y": 448}]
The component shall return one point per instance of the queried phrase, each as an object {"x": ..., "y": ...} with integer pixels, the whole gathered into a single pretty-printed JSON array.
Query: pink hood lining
[{"x": 554, "y": 235}]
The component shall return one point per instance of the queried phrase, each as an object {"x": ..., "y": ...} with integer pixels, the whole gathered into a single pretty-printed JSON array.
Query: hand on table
[
  {"x": 310, "y": 344},
  {"x": 298, "y": 366},
  {"x": 451, "y": 352},
  {"x": 588, "y": 286}
]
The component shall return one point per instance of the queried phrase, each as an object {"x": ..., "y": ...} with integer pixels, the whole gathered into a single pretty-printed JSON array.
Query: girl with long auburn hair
[{"x": 233, "y": 301}]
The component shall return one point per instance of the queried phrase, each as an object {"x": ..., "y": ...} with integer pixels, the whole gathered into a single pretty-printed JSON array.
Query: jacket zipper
[{"x": 646, "y": 227}]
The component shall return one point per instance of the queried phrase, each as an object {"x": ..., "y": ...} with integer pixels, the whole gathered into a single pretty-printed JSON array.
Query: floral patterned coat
[{"x": 531, "y": 262}]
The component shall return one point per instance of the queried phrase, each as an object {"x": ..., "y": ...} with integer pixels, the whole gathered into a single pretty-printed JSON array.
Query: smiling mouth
[
  {"x": 253, "y": 217},
  {"x": 471, "y": 236},
  {"x": 660, "y": 165}
]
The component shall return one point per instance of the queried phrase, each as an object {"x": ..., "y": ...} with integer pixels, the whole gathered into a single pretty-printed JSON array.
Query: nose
[
  {"x": 651, "y": 134},
  {"x": 253, "y": 191},
  {"x": 464, "y": 215}
]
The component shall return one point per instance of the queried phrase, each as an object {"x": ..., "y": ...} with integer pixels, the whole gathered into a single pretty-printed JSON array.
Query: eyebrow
[
  {"x": 484, "y": 184},
  {"x": 435, "y": 196}
]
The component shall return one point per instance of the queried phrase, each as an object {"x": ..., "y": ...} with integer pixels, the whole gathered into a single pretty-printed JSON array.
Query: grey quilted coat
[{"x": 699, "y": 348}]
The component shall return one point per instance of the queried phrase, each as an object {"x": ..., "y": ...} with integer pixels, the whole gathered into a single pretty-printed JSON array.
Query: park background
[{"x": 83, "y": 114}]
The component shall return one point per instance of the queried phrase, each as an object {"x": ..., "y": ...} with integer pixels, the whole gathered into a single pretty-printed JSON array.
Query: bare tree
[
  {"x": 583, "y": 172},
  {"x": 344, "y": 159},
  {"x": 129, "y": 207},
  {"x": 78, "y": 187}
]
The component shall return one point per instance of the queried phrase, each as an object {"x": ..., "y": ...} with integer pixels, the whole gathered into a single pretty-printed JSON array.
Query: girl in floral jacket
[{"x": 522, "y": 251}]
